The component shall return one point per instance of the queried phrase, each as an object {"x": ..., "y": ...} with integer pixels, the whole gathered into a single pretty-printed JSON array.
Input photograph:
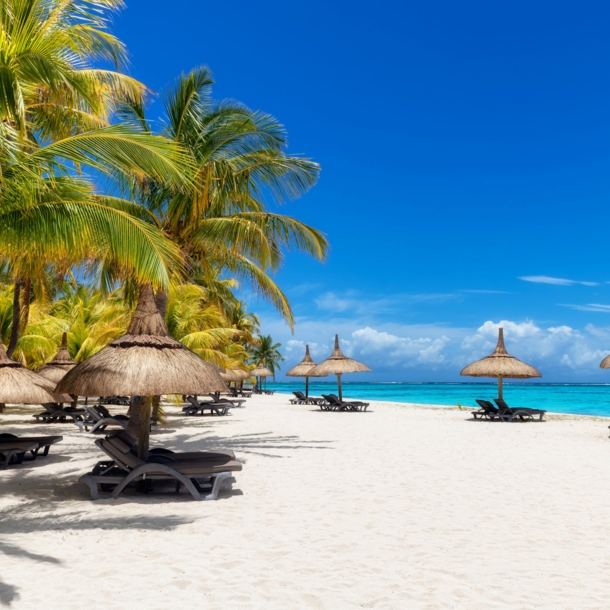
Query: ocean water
[{"x": 581, "y": 399}]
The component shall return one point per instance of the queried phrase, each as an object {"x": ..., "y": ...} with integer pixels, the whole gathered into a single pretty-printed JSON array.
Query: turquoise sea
[{"x": 581, "y": 399}]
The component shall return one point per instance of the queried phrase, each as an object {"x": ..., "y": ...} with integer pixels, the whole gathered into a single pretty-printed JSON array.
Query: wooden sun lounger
[{"x": 203, "y": 477}]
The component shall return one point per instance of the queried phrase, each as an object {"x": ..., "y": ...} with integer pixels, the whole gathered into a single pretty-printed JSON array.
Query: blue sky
[{"x": 465, "y": 149}]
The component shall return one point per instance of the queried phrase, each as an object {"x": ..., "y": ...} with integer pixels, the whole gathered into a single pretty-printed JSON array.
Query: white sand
[{"x": 400, "y": 507}]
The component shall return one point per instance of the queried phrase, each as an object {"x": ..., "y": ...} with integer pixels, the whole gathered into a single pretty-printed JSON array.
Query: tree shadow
[
  {"x": 254, "y": 443},
  {"x": 9, "y": 593}
]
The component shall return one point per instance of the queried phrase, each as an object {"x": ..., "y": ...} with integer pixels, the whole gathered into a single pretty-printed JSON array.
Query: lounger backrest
[
  {"x": 485, "y": 404},
  {"x": 120, "y": 452},
  {"x": 299, "y": 395},
  {"x": 93, "y": 413},
  {"x": 103, "y": 411},
  {"x": 500, "y": 402},
  {"x": 192, "y": 400}
]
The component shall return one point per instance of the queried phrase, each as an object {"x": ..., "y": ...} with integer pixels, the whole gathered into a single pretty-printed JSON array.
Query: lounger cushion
[
  {"x": 119, "y": 444},
  {"x": 199, "y": 467}
]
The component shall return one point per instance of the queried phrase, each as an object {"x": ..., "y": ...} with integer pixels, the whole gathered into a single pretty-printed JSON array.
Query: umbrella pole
[
  {"x": 339, "y": 384},
  {"x": 143, "y": 436},
  {"x": 306, "y": 387},
  {"x": 500, "y": 387}
]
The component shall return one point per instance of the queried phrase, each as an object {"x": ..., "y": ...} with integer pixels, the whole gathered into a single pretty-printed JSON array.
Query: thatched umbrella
[
  {"x": 235, "y": 375},
  {"x": 500, "y": 364},
  {"x": 338, "y": 364},
  {"x": 231, "y": 375},
  {"x": 304, "y": 368},
  {"x": 144, "y": 362},
  {"x": 19, "y": 385},
  {"x": 62, "y": 363},
  {"x": 605, "y": 363},
  {"x": 261, "y": 371}
]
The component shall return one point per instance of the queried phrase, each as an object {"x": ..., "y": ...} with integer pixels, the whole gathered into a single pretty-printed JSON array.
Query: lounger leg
[
  {"x": 156, "y": 468},
  {"x": 92, "y": 484},
  {"x": 220, "y": 482}
]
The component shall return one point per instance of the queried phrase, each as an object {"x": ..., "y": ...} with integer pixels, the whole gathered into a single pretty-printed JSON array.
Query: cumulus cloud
[
  {"x": 557, "y": 281},
  {"x": 555, "y": 347},
  {"x": 392, "y": 349}
]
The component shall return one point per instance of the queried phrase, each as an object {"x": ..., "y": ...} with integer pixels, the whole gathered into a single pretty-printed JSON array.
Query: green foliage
[{"x": 267, "y": 353}]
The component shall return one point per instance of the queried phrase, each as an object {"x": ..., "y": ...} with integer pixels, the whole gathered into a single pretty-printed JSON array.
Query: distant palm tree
[{"x": 267, "y": 353}]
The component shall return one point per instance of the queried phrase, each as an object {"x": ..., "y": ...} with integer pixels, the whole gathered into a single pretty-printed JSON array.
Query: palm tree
[
  {"x": 267, "y": 353},
  {"x": 221, "y": 223},
  {"x": 55, "y": 110}
]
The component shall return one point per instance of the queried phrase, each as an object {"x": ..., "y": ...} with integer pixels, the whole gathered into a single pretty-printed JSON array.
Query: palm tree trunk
[
  {"x": 26, "y": 295},
  {"x": 12, "y": 344},
  {"x": 133, "y": 426},
  {"x": 161, "y": 302},
  {"x": 155, "y": 407}
]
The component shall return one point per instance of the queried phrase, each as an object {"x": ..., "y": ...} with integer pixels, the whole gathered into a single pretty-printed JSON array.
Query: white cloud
[
  {"x": 557, "y": 281},
  {"x": 553, "y": 349},
  {"x": 295, "y": 345},
  {"x": 331, "y": 302},
  {"x": 597, "y": 307},
  {"x": 394, "y": 350}
]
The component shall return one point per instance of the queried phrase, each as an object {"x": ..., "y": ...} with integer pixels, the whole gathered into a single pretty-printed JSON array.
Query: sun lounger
[
  {"x": 215, "y": 408},
  {"x": 203, "y": 477},
  {"x": 55, "y": 412},
  {"x": 43, "y": 443},
  {"x": 488, "y": 410},
  {"x": 511, "y": 414},
  {"x": 216, "y": 454},
  {"x": 98, "y": 418},
  {"x": 13, "y": 452},
  {"x": 115, "y": 400},
  {"x": 301, "y": 399},
  {"x": 334, "y": 404},
  {"x": 235, "y": 392}
]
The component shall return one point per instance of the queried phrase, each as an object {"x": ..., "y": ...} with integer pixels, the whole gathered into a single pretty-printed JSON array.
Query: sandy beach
[{"x": 399, "y": 507}]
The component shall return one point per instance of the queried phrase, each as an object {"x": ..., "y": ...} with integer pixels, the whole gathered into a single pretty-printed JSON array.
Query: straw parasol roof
[
  {"x": 260, "y": 371},
  {"x": 305, "y": 367},
  {"x": 605, "y": 363},
  {"x": 337, "y": 364},
  {"x": 20, "y": 385},
  {"x": 62, "y": 363},
  {"x": 234, "y": 375},
  {"x": 144, "y": 362},
  {"x": 500, "y": 364}
]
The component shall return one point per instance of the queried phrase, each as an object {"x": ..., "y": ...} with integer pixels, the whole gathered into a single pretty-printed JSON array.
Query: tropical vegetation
[{"x": 94, "y": 202}]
